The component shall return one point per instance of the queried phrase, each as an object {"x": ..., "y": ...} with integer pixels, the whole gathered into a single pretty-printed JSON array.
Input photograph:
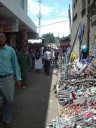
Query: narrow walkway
[{"x": 35, "y": 106}]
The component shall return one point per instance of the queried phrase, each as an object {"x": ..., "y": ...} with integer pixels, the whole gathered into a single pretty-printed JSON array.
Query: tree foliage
[{"x": 49, "y": 38}]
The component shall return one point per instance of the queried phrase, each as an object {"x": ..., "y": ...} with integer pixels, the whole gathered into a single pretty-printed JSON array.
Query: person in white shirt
[
  {"x": 38, "y": 61},
  {"x": 47, "y": 61}
]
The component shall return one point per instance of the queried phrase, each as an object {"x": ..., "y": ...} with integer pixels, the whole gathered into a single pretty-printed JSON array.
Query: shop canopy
[{"x": 34, "y": 41}]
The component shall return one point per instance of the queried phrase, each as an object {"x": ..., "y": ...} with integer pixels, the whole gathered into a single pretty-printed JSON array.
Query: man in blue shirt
[{"x": 9, "y": 73}]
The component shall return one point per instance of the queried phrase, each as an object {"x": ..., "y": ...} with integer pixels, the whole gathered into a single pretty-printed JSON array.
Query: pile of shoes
[{"x": 76, "y": 95}]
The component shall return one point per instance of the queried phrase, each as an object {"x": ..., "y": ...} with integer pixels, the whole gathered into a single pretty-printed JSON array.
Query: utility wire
[
  {"x": 47, "y": 16},
  {"x": 54, "y": 23},
  {"x": 51, "y": 15}
]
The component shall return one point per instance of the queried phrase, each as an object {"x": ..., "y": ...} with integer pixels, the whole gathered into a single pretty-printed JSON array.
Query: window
[
  {"x": 74, "y": 17},
  {"x": 83, "y": 4},
  {"x": 22, "y": 3},
  {"x": 75, "y": 3},
  {"x": 92, "y": 8},
  {"x": 83, "y": 10}
]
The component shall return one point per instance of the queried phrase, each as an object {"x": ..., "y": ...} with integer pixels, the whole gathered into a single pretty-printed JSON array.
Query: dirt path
[{"x": 35, "y": 106}]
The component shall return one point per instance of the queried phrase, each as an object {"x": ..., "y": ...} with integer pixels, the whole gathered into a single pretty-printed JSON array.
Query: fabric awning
[{"x": 35, "y": 41}]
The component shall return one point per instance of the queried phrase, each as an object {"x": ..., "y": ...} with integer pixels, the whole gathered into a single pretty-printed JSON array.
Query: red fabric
[
  {"x": 73, "y": 95},
  {"x": 87, "y": 115}
]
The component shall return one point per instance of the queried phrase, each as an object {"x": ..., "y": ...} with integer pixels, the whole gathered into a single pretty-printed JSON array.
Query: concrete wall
[
  {"x": 77, "y": 17},
  {"x": 93, "y": 28},
  {"x": 92, "y": 39},
  {"x": 25, "y": 4}
]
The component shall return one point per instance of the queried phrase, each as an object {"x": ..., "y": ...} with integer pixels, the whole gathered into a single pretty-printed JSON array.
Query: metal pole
[
  {"x": 39, "y": 23},
  {"x": 69, "y": 13},
  {"x": 65, "y": 64},
  {"x": 88, "y": 24}
]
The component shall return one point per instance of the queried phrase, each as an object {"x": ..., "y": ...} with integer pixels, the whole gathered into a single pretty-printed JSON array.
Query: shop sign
[
  {"x": 9, "y": 27},
  {"x": 64, "y": 44}
]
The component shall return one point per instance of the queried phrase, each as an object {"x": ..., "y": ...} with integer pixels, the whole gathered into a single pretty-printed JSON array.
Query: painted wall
[{"x": 25, "y": 4}]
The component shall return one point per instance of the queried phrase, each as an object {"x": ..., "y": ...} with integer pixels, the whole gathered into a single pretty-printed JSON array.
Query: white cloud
[
  {"x": 56, "y": 28},
  {"x": 46, "y": 10},
  {"x": 64, "y": 13},
  {"x": 33, "y": 8}
]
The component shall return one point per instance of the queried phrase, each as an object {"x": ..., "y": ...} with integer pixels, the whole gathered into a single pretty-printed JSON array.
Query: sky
[{"x": 54, "y": 16}]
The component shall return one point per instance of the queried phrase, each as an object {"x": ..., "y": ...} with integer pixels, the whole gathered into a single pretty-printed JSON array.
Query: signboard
[
  {"x": 38, "y": 41},
  {"x": 9, "y": 26},
  {"x": 64, "y": 44}
]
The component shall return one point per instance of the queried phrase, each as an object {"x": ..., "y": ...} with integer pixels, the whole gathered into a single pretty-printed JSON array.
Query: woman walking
[{"x": 38, "y": 61}]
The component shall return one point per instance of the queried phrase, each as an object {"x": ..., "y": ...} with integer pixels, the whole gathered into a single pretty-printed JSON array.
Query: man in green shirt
[
  {"x": 23, "y": 59},
  {"x": 9, "y": 76}
]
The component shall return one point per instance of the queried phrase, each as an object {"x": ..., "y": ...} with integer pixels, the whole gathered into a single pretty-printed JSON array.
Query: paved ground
[{"x": 35, "y": 106}]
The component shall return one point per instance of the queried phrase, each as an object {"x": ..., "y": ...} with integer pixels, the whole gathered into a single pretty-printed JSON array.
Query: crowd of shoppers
[{"x": 14, "y": 68}]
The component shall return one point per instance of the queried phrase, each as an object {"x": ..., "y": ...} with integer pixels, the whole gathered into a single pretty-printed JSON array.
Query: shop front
[{"x": 15, "y": 23}]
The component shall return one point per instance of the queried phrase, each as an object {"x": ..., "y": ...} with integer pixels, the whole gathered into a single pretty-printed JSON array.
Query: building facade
[
  {"x": 22, "y": 4},
  {"x": 83, "y": 25},
  {"x": 92, "y": 12},
  {"x": 14, "y": 10},
  {"x": 15, "y": 22}
]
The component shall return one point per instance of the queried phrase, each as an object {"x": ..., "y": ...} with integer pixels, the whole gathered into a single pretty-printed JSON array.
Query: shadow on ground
[{"x": 31, "y": 103}]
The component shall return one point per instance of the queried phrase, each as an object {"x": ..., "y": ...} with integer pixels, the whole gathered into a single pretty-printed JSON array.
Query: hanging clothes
[{"x": 81, "y": 32}]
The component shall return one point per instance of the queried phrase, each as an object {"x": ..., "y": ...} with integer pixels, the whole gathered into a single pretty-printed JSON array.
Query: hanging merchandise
[
  {"x": 95, "y": 54},
  {"x": 84, "y": 48},
  {"x": 23, "y": 38},
  {"x": 12, "y": 40},
  {"x": 84, "y": 53},
  {"x": 73, "y": 56},
  {"x": 81, "y": 32}
]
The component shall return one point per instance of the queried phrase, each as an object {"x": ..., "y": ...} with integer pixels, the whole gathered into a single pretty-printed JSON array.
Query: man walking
[
  {"x": 47, "y": 61},
  {"x": 23, "y": 60},
  {"x": 9, "y": 71},
  {"x": 56, "y": 53}
]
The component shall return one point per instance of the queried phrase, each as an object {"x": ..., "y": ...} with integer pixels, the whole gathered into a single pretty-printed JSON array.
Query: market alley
[{"x": 36, "y": 106}]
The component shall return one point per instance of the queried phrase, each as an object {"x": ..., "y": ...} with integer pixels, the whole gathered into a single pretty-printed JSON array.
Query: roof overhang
[{"x": 11, "y": 11}]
